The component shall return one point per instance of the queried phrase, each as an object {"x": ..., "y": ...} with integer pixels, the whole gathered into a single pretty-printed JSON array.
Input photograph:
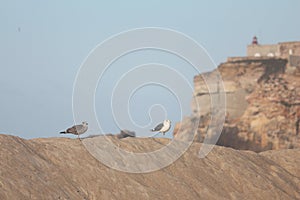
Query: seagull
[
  {"x": 77, "y": 129},
  {"x": 125, "y": 133},
  {"x": 163, "y": 127}
]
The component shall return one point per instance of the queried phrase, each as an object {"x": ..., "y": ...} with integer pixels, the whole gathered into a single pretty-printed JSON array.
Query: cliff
[
  {"x": 61, "y": 168},
  {"x": 262, "y": 105}
]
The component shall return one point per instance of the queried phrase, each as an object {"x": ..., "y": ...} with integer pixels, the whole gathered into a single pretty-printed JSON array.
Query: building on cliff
[
  {"x": 262, "y": 100},
  {"x": 285, "y": 50}
]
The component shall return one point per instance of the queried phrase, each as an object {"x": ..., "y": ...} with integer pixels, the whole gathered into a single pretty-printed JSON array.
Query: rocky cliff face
[
  {"x": 262, "y": 105},
  {"x": 61, "y": 168}
]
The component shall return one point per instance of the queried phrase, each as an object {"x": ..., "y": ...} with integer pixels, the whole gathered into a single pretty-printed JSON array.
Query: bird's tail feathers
[
  {"x": 63, "y": 132},
  {"x": 152, "y": 130}
]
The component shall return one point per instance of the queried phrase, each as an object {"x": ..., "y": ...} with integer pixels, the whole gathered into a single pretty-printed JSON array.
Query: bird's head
[
  {"x": 85, "y": 123},
  {"x": 166, "y": 121}
]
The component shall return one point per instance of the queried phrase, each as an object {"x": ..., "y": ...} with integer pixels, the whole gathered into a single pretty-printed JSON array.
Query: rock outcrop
[
  {"x": 262, "y": 105},
  {"x": 61, "y": 168}
]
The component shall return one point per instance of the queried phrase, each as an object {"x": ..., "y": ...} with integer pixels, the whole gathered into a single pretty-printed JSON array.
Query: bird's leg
[{"x": 78, "y": 137}]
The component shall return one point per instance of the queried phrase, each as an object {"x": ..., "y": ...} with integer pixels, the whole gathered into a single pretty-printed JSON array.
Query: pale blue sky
[{"x": 43, "y": 43}]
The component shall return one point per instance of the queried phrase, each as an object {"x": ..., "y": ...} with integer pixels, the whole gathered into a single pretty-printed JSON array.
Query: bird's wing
[
  {"x": 75, "y": 129},
  {"x": 158, "y": 127}
]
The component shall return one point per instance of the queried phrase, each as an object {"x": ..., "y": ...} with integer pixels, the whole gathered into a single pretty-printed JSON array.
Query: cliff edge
[{"x": 262, "y": 105}]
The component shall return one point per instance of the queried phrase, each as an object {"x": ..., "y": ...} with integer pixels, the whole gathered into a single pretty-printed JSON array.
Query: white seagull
[
  {"x": 77, "y": 129},
  {"x": 163, "y": 127}
]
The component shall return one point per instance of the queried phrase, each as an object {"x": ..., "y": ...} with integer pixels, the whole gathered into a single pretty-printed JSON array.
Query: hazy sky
[{"x": 43, "y": 43}]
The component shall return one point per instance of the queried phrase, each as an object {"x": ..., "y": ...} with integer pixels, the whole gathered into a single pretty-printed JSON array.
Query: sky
[{"x": 44, "y": 43}]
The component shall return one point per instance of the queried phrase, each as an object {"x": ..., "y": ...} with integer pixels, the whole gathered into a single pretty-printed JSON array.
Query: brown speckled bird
[{"x": 77, "y": 129}]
